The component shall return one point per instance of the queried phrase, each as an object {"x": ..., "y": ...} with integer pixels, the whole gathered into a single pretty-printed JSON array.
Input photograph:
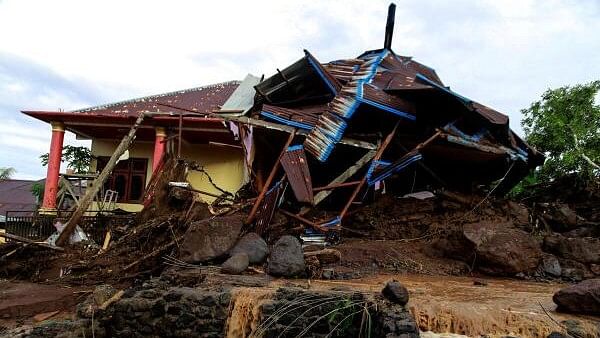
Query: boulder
[
  {"x": 395, "y": 292},
  {"x": 236, "y": 264},
  {"x": 551, "y": 266},
  {"x": 252, "y": 245},
  {"x": 582, "y": 249},
  {"x": 287, "y": 259},
  {"x": 502, "y": 249},
  {"x": 579, "y": 298},
  {"x": 209, "y": 239}
]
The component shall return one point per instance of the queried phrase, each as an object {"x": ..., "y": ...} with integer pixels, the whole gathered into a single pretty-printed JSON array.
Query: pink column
[
  {"x": 159, "y": 147},
  {"x": 54, "y": 159}
]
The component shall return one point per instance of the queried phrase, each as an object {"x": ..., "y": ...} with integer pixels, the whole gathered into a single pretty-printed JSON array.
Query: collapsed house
[{"x": 312, "y": 141}]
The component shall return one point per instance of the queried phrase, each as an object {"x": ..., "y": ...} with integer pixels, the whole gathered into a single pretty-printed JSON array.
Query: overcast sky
[{"x": 72, "y": 54}]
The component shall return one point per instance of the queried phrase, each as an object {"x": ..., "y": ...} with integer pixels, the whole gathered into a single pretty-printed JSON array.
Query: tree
[
  {"x": 78, "y": 158},
  {"x": 565, "y": 126},
  {"x": 6, "y": 173}
]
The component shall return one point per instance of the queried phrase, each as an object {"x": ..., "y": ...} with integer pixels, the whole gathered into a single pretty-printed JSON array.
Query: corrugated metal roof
[
  {"x": 203, "y": 99},
  {"x": 295, "y": 164},
  {"x": 16, "y": 195}
]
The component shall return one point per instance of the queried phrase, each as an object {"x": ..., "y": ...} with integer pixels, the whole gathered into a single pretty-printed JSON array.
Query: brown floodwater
[{"x": 456, "y": 305}]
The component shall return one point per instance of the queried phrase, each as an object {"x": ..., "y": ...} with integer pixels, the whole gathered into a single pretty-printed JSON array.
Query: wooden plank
[
  {"x": 261, "y": 196},
  {"x": 345, "y": 175},
  {"x": 91, "y": 192}
]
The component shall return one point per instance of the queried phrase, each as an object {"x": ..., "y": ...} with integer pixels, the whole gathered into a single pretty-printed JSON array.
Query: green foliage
[
  {"x": 37, "y": 189},
  {"x": 565, "y": 126},
  {"x": 7, "y": 173},
  {"x": 78, "y": 158}
]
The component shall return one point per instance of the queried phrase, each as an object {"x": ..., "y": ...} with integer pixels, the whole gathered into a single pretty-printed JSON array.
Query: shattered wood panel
[{"x": 295, "y": 164}]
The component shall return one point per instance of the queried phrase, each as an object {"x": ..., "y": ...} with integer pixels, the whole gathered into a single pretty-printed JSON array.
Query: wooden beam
[
  {"x": 263, "y": 192},
  {"x": 336, "y": 185},
  {"x": 29, "y": 241},
  {"x": 87, "y": 199}
]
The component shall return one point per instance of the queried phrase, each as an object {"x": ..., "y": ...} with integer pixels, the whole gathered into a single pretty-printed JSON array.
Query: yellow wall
[{"x": 224, "y": 164}]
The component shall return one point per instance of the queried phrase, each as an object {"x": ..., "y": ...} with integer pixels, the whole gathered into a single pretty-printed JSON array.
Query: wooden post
[
  {"x": 179, "y": 135},
  {"x": 87, "y": 199},
  {"x": 261, "y": 196}
]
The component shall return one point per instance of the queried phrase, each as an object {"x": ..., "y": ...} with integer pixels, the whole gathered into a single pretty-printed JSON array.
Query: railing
[{"x": 40, "y": 227}]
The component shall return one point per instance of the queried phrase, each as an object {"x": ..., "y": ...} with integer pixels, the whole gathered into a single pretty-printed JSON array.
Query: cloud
[{"x": 70, "y": 54}]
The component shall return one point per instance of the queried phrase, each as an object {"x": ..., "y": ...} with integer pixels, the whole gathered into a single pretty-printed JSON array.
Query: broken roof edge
[
  {"x": 155, "y": 96},
  {"x": 242, "y": 97}
]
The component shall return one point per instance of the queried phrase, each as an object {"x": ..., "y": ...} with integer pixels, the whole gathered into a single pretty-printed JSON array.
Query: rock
[
  {"x": 327, "y": 274},
  {"x": 519, "y": 214},
  {"x": 574, "y": 328},
  {"x": 567, "y": 215},
  {"x": 325, "y": 256},
  {"x": 582, "y": 249},
  {"x": 572, "y": 274},
  {"x": 580, "y": 298},
  {"x": 556, "y": 335},
  {"x": 395, "y": 292},
  {"x": 502, "y": 249},
  {"x": 102, "y": 293},
  {"x": 236, "y": 264},
  {"x": 209, "y": 239},
  {"x": 480, "y": 282},
  {"x": 286, "y": 258},
  {"x": 551, "y": 266},
  {"x": 252, "y": 245}
]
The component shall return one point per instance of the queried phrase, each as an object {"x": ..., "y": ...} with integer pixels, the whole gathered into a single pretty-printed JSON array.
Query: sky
[{"x": 74, "y": 54}]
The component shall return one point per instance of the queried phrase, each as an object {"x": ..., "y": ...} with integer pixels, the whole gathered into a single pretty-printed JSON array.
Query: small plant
[
  {"x": 6, "y": 173},
  {"x": 77, "y": 158}
]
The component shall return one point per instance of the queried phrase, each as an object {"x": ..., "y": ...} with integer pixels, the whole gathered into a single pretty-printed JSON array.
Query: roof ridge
[{"x": 143, "y": 98}]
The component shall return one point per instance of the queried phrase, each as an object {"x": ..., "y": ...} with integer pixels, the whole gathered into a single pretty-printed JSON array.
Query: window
[{"x": 128, "y": 178}]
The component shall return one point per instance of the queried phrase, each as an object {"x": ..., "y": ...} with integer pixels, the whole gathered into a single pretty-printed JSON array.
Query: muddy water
[
  {"x": 244, "y": 311},
  {"x": 456, "y": 305}
]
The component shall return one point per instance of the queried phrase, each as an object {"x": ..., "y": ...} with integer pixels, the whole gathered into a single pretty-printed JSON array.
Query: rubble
[{"x": 357, "y": 167}]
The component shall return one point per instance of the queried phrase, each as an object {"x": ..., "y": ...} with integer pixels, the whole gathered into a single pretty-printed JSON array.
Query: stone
[
  {"x": 287, "y": 259},
  {"x": 236, "y": 264},
  {"x": 209, "y": 239},
  {"x": 327, "y": 274},
  {"x": 395, "y": 292},
  {"x": 551, "y": 266},
  {"x": 253, "y": 246},
  {"x": 502, "y": 249},
  {"x": 572, "y": 274},
  {"x": 595, "y": 268},
  {"x": 582, "y": 249},
  {"x": 102, "y": 293},
  {"x": 582, "y": 298},
  {"x": 556, "y": 335}
]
